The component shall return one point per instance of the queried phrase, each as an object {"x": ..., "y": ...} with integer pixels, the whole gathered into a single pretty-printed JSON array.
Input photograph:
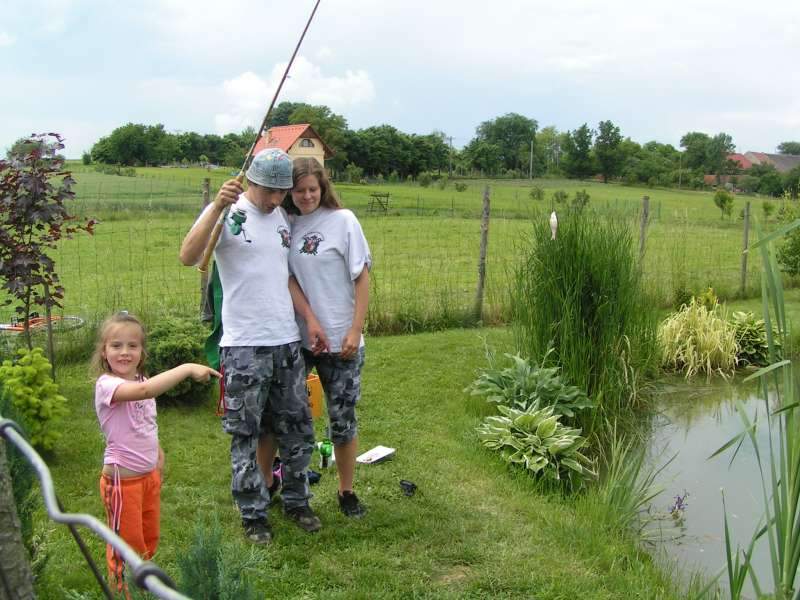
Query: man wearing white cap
[{"x": 264, "y": 373}]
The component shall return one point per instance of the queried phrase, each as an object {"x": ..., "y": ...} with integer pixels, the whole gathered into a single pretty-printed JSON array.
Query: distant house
[
  {"x": 782, "y": 162},
  {"x": 297, "y": 141}
]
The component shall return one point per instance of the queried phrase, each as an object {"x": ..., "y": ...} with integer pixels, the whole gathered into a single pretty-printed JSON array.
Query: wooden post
[
  {"x": 745, "y": 245},
  {"x": 482, "y": 259},
  {"x": 204, "y": 274},
  {"x": 51, "y": 353},
  {"x": 643, "y": 226}
]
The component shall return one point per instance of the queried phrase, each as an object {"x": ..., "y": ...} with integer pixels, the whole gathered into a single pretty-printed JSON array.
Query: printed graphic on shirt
[
  {"x": 311, "y": 242},
  {"x": 139, "y": 417},
  {"x": 286, "y": 237},
  {"x": 238, "y": 218}
]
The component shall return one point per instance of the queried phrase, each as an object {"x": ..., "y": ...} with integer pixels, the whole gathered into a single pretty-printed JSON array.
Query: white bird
[{"x": 553, "y": 224}]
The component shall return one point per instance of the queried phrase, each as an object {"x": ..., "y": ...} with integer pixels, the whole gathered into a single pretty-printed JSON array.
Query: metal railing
[{"x": 146, "y": 575}]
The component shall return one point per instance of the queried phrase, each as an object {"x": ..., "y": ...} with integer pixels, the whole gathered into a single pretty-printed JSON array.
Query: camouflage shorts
[
  {"x": 265, "y": 392},
  {"x": 341, "y": 380}
]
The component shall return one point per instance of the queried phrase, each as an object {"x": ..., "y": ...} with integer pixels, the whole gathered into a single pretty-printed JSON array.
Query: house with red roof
[{"x": 297, "y": 141}]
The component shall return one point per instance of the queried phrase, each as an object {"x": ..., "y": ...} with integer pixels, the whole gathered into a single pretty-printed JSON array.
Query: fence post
[
  {"x": 482, "y": 259},
  {"x": 745, "y": 243},
  {"x": 51, "y": 353},
  {"x": 643, "y": 226},
  {"x": 204, "y": 275}
]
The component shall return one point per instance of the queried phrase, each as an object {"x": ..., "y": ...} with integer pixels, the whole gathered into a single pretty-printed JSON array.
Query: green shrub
[
  {"x": 789, "y": 253},
  {"x": 695, "y": 340},
  {"x": 680, "y": 297},
  {"x": 174, "y": 341},
  {"x": 708, "y": 299},
  {"x": 424, "y": 179},
  {"x": 768, "y": 208},
  {"x": 580, "y": 200},
  {"x": 394, "y": 177},
  {"x": 750, "y": 334},
  {"x": 442, "y": 182},
  {"x": 522, "y": 386},
  {"x": 578, "y": 302},
  {"x": 460, "y": 186},
  {"x": 535, "y": 440},
  {"x": 353, "y": 173},
  {"x": 213, "y": 569},
  {"x": 536, "y": 193},
  {"x": 560, "y": 196},
  {"x": 34, "y": 396},
  {"x": 724, "y": 202}
]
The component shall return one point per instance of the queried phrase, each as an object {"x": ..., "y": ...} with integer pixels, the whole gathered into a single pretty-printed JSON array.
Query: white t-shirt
[
  {"x": 257, "y": 308},
  {"x": 129, "y": 427},
  {"x": 329, "y": 251}
]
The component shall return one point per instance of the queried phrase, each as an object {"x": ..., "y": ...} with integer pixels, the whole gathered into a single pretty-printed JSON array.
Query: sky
[{"x": 656, "y": 69}]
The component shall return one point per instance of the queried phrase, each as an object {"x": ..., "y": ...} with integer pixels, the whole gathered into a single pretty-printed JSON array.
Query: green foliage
[
  {"x": 708, "y": 299},
  {"x": 171, "y": 342},
  {"x": 34, "y": 396},
  {"x": 750, "y": 334},
  {"x": 213, "y": 569},
  {"x": 536, "y": 440},
  {"x": 393, "y": 177},
  {"x": 578, "y": 161},
  {"x": 536, "y": 193},
  {"x": 767, "y": 208},
  {"x": 696, "y": 340},
  {"x": 522, "y": 386},
  {"x": 442, "y": 182},
  {"x": 460, "y": 186},
  {"x": 424, "y": 179},
  {"x": 723, "y": 200},
  {"x": 628, "y": 485},
  {"x": 560, "y": 196},
  {"x": 581, "y": 200},
  {"x": 607, "y": 149},
  {"x": 789, "y": 253},
  {"x": 581, "y": 295},
  {"x": 22, "y": 477},
  {"x": 353, "y": 173},
  {"x": 86, "y": 158}
]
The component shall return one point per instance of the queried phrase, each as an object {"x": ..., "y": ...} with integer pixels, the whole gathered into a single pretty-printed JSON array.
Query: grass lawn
[{"x": 474, "y": 529}]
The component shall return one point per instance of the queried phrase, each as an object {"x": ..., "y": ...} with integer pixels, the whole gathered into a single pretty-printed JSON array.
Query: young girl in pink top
[{"x": 130, "y": 484}]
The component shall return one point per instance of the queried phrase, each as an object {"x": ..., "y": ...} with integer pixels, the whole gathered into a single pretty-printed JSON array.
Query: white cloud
[
  {"x": 6, "y": 39},
  {"x": 323, "y": 54},
  {"x": 247, "y": 96}
]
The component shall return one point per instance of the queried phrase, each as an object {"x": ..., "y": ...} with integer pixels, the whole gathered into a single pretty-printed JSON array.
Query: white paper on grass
[{"x": 377, "y": 454}]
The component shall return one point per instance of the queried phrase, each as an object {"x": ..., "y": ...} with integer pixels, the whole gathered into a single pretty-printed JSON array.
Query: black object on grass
[{"x": 408, "y": 487}]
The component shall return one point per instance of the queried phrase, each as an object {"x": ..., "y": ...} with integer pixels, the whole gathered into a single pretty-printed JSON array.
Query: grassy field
[
  {"x": 474, "y": 529},
  {"x": 426, "y": 247}
]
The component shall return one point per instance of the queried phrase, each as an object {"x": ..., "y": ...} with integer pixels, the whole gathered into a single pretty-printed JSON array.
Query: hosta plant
[
  {"x": 535, "y": 440},
  {"x": 523, "y": 386},
  {"x": 751, "y": 340},
  {"x": 697, "y": 340}
]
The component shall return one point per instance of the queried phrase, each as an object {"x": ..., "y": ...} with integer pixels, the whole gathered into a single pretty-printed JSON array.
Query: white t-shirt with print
[
  {"x": 328, "y": 252},
  {"x": 253, "y": 266}
]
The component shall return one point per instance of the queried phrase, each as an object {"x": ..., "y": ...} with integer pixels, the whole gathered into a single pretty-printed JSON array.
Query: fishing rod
[{"x": 217, "y": 231}]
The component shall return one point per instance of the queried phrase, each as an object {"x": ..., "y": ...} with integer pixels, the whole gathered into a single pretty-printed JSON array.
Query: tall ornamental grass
[
  {"x": 779, "y": 463},
  {"x": 578, "y": 303}
]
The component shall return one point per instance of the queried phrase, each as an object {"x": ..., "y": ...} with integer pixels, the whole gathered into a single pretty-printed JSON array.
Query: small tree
[
  {"x": 724, "y": 202},
  {"x": 86, "y": 158},
  {"x": 33, "y": 218},
  {"x": 768, "y": 208}
]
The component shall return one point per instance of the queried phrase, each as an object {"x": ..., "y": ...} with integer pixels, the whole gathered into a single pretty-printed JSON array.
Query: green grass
[
  {"x": 475, "y": 529},
  {"x": 426, "y": 248}
]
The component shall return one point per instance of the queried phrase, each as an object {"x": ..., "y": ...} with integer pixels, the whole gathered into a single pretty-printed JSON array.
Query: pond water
[{"x": 694, "y": 421}]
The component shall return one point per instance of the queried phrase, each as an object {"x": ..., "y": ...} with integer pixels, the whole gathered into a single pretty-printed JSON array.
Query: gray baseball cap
[{"x": 271, "y": 168}]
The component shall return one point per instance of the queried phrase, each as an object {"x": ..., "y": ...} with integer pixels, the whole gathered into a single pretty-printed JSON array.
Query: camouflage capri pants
[
  {"x": 265, "y": 393},
  {"x": 341, "y": 380}
]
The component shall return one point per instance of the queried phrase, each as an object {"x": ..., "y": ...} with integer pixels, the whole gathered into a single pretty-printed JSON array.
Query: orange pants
[{"x": 133, "y": 510}]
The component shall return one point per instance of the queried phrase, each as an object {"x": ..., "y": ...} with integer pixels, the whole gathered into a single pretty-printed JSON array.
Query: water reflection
[{"x": 693, "y": 421}]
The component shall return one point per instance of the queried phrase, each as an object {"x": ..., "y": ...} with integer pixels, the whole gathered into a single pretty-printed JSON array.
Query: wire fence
[{"x": 425, "y": 246}]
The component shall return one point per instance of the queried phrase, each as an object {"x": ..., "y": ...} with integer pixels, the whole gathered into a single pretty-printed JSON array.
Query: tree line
[{"x": 510, "y": 145}]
